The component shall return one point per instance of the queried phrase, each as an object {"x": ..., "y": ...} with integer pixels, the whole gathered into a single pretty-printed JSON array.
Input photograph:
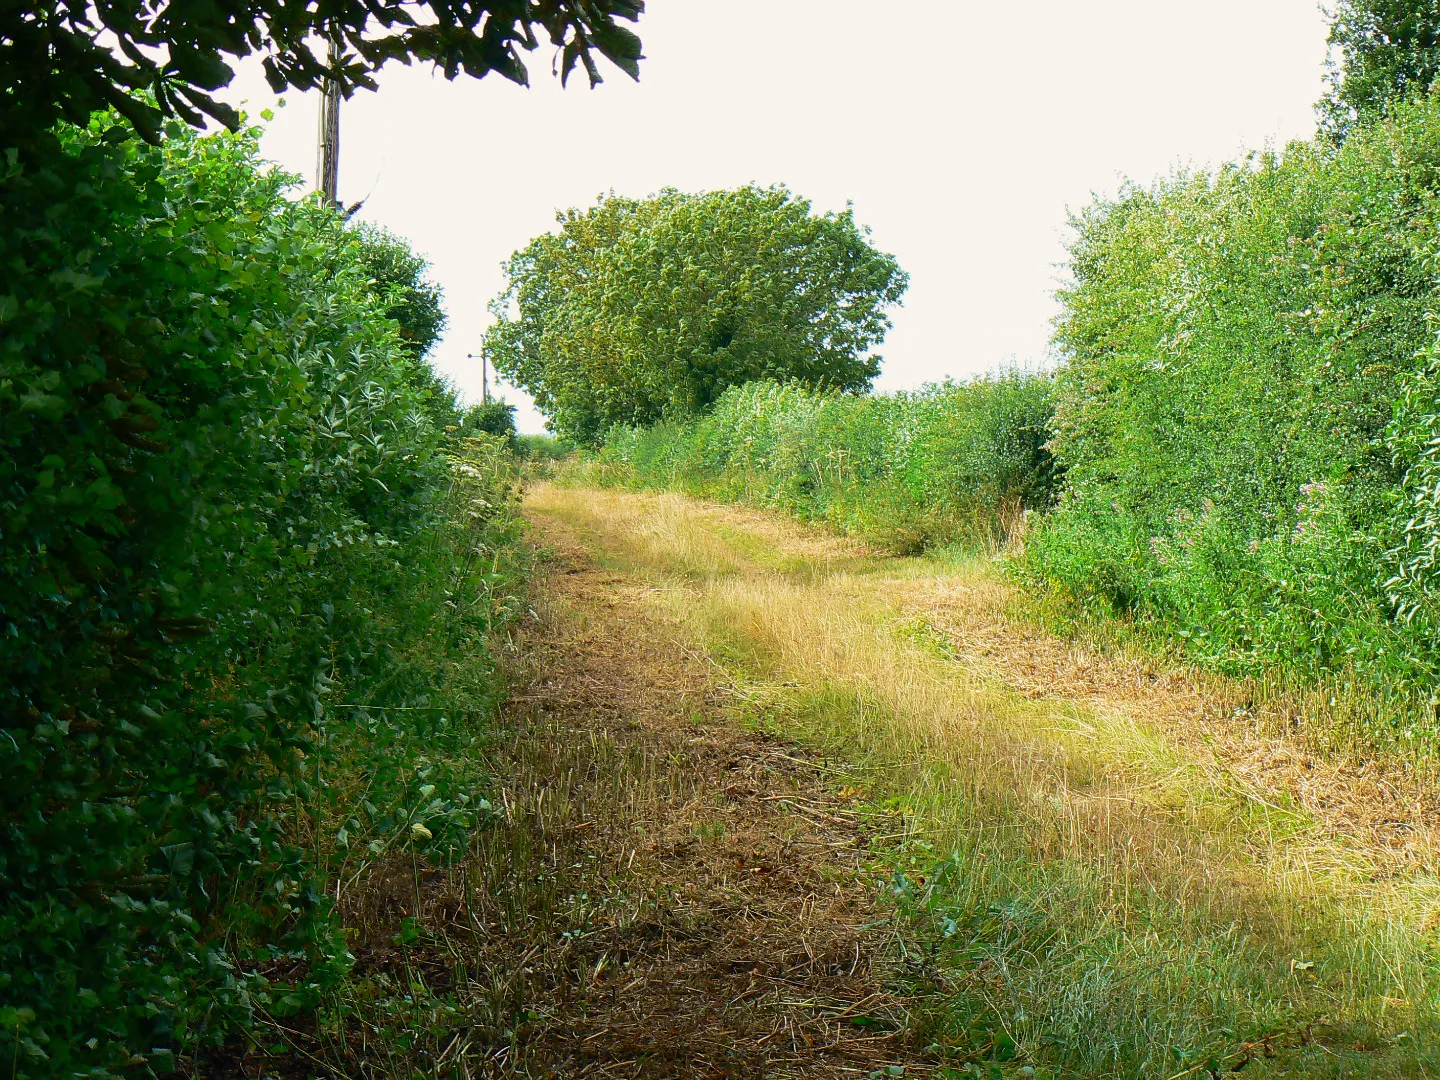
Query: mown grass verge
[{"x": 960, "y": 470}]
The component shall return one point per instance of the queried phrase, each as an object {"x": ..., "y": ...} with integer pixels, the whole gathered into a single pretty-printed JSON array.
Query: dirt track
[
  {"x": 732, "y": 934},
  {"x": 1175, "y": 811},
  {"x": 1112, "y": 867}
]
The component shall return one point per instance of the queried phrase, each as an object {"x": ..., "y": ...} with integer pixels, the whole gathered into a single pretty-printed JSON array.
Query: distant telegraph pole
[
  {"x": 327, "y": 157},
  {"x": 484, "y": 376}
]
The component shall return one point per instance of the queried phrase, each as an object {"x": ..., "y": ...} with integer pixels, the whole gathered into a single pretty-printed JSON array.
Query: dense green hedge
[
  {"x": 231, "y": 544},
  {"x": 951, "y": 463},
  {"x": 1248, "y": 411}
]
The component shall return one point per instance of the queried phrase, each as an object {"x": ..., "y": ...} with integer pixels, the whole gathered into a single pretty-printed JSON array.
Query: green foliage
[
  {"x": 1389, "y": 52},
  {"x": 638, "y": 310},
  {"x": 399, "y": 283},
  {"x": 542, "y": 448},
  {"x": 949, "y": 464},
  {"x": 492, "y": 418},
  {"x": 1248, "y": 407},
  {"x": 416, "y": 303},
  {"x": 236, "y": 569},
  {"x": 148, "y": 59}
]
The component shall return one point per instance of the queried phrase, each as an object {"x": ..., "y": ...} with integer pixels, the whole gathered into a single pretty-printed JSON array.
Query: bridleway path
[{"x": 710, "y": 702}]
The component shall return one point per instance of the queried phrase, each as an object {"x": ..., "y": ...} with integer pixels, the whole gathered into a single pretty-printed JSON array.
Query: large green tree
[
  {"x": 152, "y": 59},
  {"x": 1381, "y": 51},
  {"x": 399, "y": 279},
  {"x": 634, "y": 310}
]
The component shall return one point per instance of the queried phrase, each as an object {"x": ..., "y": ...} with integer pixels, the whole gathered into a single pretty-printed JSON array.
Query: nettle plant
[{"x": 224, "y": 513}]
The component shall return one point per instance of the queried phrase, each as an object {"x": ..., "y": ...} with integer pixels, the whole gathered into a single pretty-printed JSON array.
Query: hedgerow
[
  {"x": 949, "y": 464},
  {"x": 1247, "y": 412},
  {"x": 246, "y": 589}
]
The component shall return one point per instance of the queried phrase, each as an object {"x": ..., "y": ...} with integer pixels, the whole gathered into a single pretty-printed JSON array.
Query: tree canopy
[
  {"x": 399, "y": 282},
  {"x": 1389, "y": 50},
  {"x": 153, "y": 59},
  {"x": 634, "y": 310},
  {"x": 491, "y": 418},
  {"x": 399, "y": 275}
]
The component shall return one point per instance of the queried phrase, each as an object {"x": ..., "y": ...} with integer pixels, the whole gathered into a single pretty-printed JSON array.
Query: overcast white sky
[{"x": 960, "y": 130}]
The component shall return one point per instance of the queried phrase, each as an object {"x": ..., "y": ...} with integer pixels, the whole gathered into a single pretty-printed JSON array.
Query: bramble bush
[
  {"x": 1247, "y": 412},
  {"x": 950, "y": 464},
  {"x": 246, "y": 588}
]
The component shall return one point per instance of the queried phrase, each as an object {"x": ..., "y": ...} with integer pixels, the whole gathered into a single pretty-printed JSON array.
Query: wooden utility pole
[
  {"x": 327, "y": 157},
  {"x": 484, "y": 376}
]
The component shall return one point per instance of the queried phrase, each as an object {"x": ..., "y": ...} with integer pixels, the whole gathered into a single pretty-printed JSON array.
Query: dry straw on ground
[
  {"x": 1181, "y": 840},
  {"x": 670, "y": 894}
]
